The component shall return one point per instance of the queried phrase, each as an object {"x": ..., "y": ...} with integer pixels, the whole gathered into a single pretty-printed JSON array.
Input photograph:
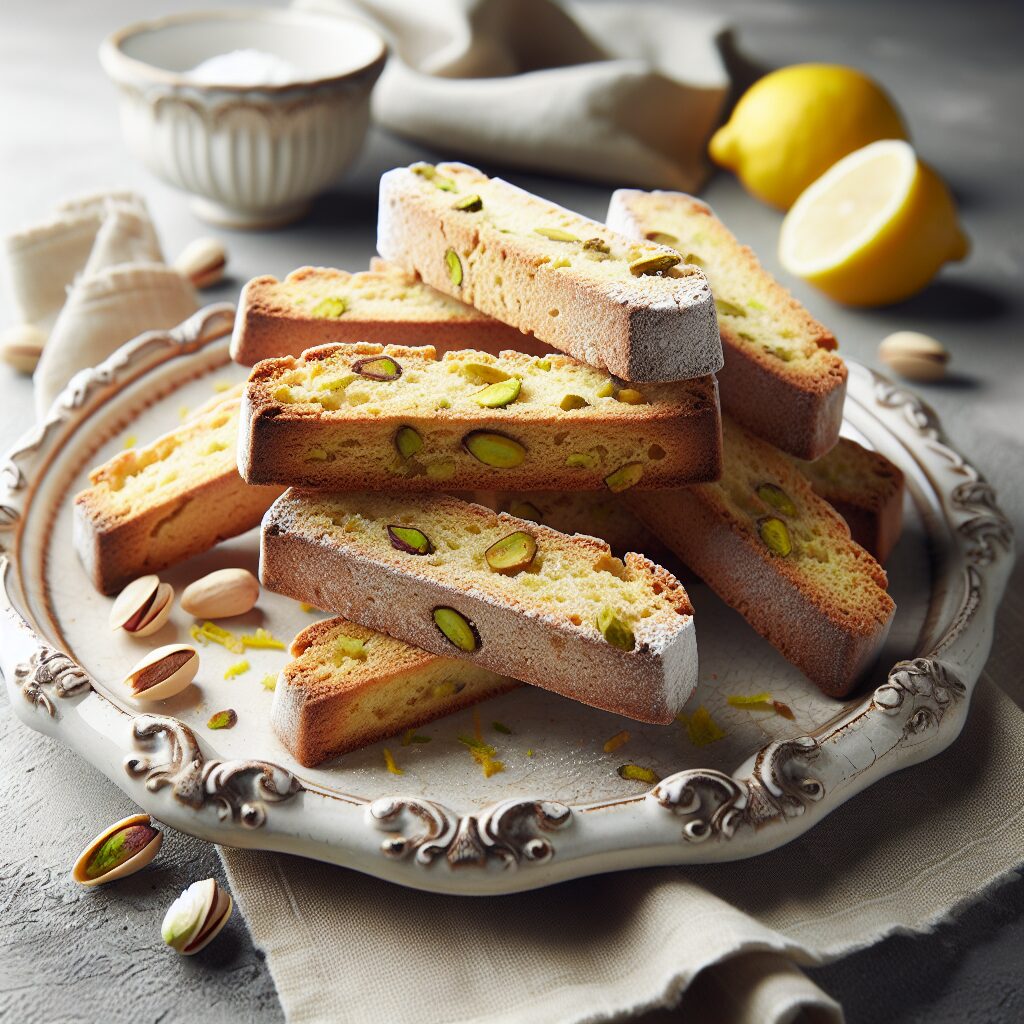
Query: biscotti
[
  {"x": 866, "y": 489},
  {"x": 150, "y": 507},
  {"x": 372, "y": 417},
  {"x": 781, "y": 380},
  {"x": 349, "y": 686},
  {"x": 316, "y": 305},
  {"x": 773, "y": 550},
  {"x": 460, "y": 580},
  {"x": 629, "y": 307}
]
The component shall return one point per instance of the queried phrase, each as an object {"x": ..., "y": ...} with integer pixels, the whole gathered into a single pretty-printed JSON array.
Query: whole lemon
[{"x": 792, "y": 125}]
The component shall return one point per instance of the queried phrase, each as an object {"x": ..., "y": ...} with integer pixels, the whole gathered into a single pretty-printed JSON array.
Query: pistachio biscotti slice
[
  {"x": 150, "y": 507},
  {"x": 627, "y": 306},
  {"x": 781, "y": 380},
  {"x": 460, "y": 580},
  {"x": 348, "y": 687},
  {"x": 773, "y": 550},
  {"x": 316, "y": 305},
  {"x": 372, "y": 417},
  {"x": 865, "y": 488}
]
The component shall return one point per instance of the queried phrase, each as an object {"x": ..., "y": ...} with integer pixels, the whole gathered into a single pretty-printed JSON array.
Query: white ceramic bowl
[{"x": 253, "y": 156}]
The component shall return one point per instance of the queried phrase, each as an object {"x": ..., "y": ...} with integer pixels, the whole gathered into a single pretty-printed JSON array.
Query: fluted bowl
[{"x": 251, "y": 155}]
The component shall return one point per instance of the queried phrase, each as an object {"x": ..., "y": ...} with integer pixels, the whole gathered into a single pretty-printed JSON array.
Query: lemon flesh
[
  {"x": 792, "y": 125},
  {"x": 874, "y": 229}
]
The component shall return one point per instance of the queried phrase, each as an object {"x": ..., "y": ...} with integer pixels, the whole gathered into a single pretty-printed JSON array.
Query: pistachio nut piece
[
  {"x": 330, "y": 308},
  {"x": 408, "y": 442},
  {"x": 630, "y": 396},
  {"x": 512, "y": 553},
  {"x": 624, "y": 477},
  {"x": 163, "y": 672},
  {"x": 570, "y": 402},
  {"x": 226, "y": 719},
  {"x": 777, "y": 498},
  {"x": 775, "y": 535},
  {"x": 202, "y": 261},
  {"x": 726, "y": 308},
  {"x": 409, "y": 539},
  {"x": 468, "y": 204},
  {"x": 493, "y": 449},
  {"x": 556, "y": 234},
  {"x": 21, "y": 347},
  {"x": 196, "y": 917},
  {"x": 120, "y": 850},
  {"x": 142, "y": 607},
  {"x": 524, "y": 510},
  {"x": 378, "y": 368},
  {"x": 454, "y": 265},
  {"x": 499, "y": 394},
  {"x": 615, "y": 631},
  {"x": 221, "y": 594},
  {"x": 656, "y": 264},
  {"x": 457, "y": 629}
]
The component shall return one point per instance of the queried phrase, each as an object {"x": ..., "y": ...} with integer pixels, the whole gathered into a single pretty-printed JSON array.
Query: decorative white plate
[{"x": 560, "y": 813}]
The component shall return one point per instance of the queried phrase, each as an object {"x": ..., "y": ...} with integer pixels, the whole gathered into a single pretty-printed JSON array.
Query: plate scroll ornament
[{"x": 528, "y": 839}]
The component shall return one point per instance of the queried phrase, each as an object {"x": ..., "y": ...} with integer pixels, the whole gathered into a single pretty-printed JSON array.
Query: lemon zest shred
[
  {"x": 483, "y": 754},
  {"x": 753, "y": 700},
  {"x": 308, "y": 608},
  {"x": 529, "y": 752},
  {"x": 222, "y": 385},
  {"x": 269, "y": 682},
  {"x": 391, "y": 764},
  {"x": 262, "y": 639},
  {"x": 237, "y": 669},
  {"x": 210, "y": 632},
  {"x": 183, "y": 412},
  {"x": 616, "y": 741},
  {"x": 638, "y": 773},
  {"x": 412, "y": 736},
  {"x": 130, "y": 440}
]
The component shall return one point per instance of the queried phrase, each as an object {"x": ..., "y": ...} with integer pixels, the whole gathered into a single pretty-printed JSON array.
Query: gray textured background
[{"x": 69, "y": 955}]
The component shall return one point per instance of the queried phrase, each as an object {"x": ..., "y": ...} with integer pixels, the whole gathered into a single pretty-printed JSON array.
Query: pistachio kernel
[
  {"x": 582, "y": 460},
  {"x": 596, "y": 245},
  {"x": 349, "y": 647},
  {"x": 570, "y": 402},
  {"x": 408, "y": 442},
  {"x": 468, "y": 204},
  {"x": 499, "y": 394},
  {"x": 606, "y": 390},
  {"x": 656, "y": 264},
  {"x": 525, "y": 510},
  {"x": 378, "y": 368},
  {"x": 775, "y": 535},
  {"x": 225, "y": 719},
  {"x": 493, "y": 449},
  {"x": 457, "y": 628},
  {"x": 624, "y": 477},
  {"x": 615, "y": 631},
  {"x": 727, "y": 308},
  {"x": 330, "y": 308},
  {"x": 512, "y": 554},
  {"x": 444, "y": 469},
  {"x": 773, "y": 495},
  {"x": 410, "y": 540},
  {"x": 118, "y": 848},
  {"x": 661, "y": 238},
  {"x": 543, "y": 364},
  {"x": 630, "y": 396},
  {"x": 454, "y": 265},
  {"x": 556, "y": 234}
]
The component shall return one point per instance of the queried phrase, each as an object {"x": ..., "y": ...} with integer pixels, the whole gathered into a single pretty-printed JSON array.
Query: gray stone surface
[{"x": 73, "y": 956}]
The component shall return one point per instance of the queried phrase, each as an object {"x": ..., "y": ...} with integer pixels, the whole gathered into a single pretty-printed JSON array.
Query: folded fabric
[{"x": 620, "y": 93}]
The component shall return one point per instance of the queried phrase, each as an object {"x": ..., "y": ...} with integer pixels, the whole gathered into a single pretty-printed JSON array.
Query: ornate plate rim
[{"x": 694, "y": 816}]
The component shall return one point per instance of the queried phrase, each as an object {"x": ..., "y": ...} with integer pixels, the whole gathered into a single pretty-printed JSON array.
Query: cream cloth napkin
[
  {"x": 621, "y": 93},
  {"x": 93, "y": 275},
  {"x": 346, "y": 948}
]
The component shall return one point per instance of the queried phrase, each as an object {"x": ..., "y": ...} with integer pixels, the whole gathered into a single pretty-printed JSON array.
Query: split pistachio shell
[
  {"x": 195, "y": 918},
  {"x": 120, "y": 850},
  {"x": 221, "y": 595},
  {"x": 163, "y": 672},
  {"x": 914, "y": 355},
  {"x": 21, "y": 346},
  {"x": 202, "y": 262},
  {"x": 142, "y": 607}
]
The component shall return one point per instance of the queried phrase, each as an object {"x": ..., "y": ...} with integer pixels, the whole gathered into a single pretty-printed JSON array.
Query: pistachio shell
[
  {"x": 221, "y": 594},
  {"x": 138, "y": 856},
  {"x": 163, "y": 672},
  {"x": 21, "y": 346},
  {"x": 202, "y": 261},
  {"x": 195, "y": 918},
  {"x": 142, "y": 607},
  {"x": 914, "y": 355}
]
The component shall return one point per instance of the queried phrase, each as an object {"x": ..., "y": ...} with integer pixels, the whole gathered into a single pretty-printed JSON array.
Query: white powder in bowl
[{"x": 245, "y": 67}]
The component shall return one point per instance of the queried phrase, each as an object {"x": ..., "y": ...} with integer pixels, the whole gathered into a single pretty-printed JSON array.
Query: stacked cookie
[{"x": 458, "y": 426}]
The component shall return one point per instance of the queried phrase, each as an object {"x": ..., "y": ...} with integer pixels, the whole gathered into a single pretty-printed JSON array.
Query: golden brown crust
[
  {"x": 642, "y": 328},
  {"x": 341, "y": 569},
  {"x": 320, "y": 712},
  {"x": 829, "y": 625},
  {"x": 674, "y": 437},
  {"x": 796, "y": 405},
  {"x": 268, "y": 326}
]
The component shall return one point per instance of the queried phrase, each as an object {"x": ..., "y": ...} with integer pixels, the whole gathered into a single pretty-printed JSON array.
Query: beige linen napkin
[
  {"x": 94, "y": 276},
  {"x": 622, "y": 93},
  {"x": 346, "y": 948}
]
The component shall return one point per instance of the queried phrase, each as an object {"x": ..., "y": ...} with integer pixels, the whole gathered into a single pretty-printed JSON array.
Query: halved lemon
[{"x": 874, "y": 228}]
